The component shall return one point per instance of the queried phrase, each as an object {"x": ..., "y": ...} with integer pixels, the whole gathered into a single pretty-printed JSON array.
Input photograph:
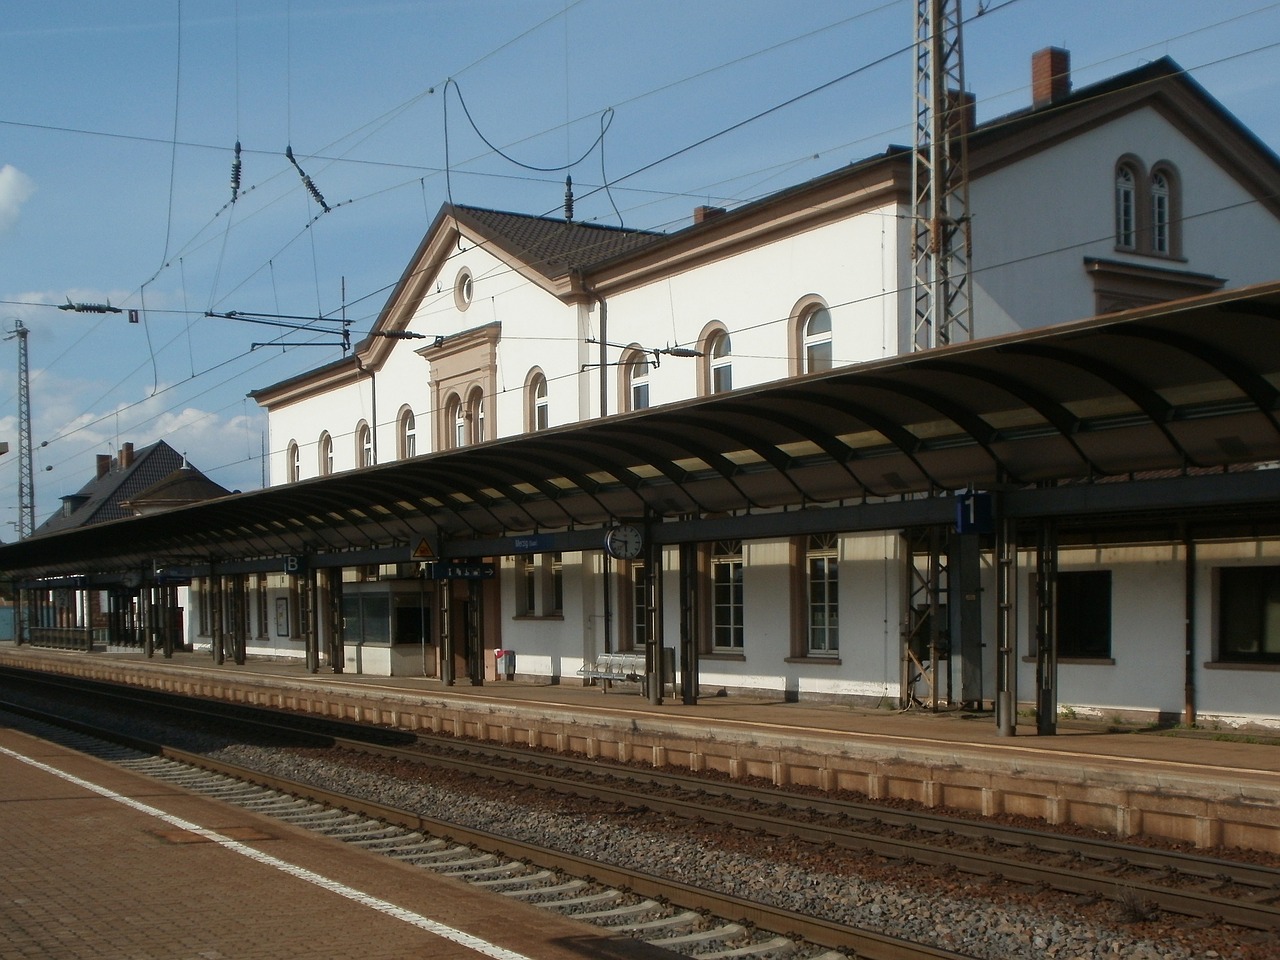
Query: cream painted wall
[
  {"x": 1035, "y": 222},
  {"x": 1037, "y": 219}
]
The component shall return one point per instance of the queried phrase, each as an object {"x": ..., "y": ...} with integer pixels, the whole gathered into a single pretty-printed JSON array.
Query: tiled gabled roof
[
  {"x": 103, "y": 497},
  {"x": 183, "y": 486},
  {"x": 553, "y": 247}
]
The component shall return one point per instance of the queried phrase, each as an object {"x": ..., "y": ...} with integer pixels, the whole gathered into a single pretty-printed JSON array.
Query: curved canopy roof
[{"x": 1190, "y": 384}]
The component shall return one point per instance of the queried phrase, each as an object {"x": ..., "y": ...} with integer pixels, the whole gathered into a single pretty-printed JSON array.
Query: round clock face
[{"x": 623, "y": 542}]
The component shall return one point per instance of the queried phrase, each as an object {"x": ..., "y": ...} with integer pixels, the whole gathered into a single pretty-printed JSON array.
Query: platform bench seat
[{"x": 629, "y": 667}]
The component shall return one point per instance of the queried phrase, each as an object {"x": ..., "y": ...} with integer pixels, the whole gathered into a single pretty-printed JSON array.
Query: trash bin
[{"x": 504, "y": 664}]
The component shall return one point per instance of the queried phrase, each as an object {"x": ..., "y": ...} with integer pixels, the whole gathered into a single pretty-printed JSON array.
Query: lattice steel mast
[
  {"x": 940, "y": 180},
  {"x": 942, "y": 315},
  {"x": 26, "y": 485}
]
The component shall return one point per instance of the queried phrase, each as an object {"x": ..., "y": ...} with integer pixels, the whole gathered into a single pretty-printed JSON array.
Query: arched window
[
  {"x": 715, "y": 372},
  {"x": 1160, "y": 215},
  {"x": 325, "y": 454},
  {"x": 721, "y": 364},
  {"x": 537, "y": 413},
  {"x": 407, "y": 431},
  {"x": 456, "y": 417},
  {"x": 635, "y": 371},
  {"x": 1148, "y": 207},
  {"x": 1126, "y": 207},
  {"x": 364, "y": 445},
  {"x": 475, "y": 413},
  {"x": 293, "y": 463},
  {"x": 1166, "y": 210},
  {"x": 816, "y": 340}
]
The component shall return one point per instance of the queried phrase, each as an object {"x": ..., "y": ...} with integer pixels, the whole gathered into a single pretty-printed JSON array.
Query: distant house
[
  {"x": 118, "y": 482},
  {"x": 115, "y": 610}
]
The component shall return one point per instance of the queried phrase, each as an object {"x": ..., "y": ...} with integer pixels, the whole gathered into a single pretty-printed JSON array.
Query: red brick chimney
[
  {"x": 964, "y": 107},
  {"x": 126, "y": 456},
  {"x": 104, "y": 464},
  {"x": 704, "y": 213},
  {"x": 1050, "y": 76}
]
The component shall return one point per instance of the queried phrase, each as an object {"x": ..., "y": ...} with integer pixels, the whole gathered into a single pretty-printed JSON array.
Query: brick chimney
[
  {"x": 126, "y": 456},
  {"x": 964, "y": 106},
  {"x": 704, "y": 213},
  {"x": 1050, "y": 76},
  {"x": 104, "y": 464}
]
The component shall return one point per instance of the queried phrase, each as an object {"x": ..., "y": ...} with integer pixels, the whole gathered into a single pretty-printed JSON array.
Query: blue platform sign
[
  {"x": 973, "y": 513},
  {"x": 531, "y": 543},
  {"x": 447, "y": 570}
]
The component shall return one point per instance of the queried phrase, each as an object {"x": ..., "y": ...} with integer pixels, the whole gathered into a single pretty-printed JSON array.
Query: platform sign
[
  {"x": 532, "y": 543},
  {"x": 448, "y": 570},
  {"x": 171, "y": 577},
  {"x": 973, "y": 513}
]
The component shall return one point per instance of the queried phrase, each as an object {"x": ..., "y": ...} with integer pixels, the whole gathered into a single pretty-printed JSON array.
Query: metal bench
[{"x": 629, "y": 667}]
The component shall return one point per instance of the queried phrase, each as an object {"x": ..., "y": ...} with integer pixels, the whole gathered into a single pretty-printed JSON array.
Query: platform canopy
[{"x": 1184, "y": 386}]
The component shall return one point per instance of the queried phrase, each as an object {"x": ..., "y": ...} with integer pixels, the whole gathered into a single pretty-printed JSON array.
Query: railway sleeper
[
  {"x": 406, "y": 850},
  {"x": 512, "y": 881},
  {"x": 277, "y": 805},
  {"x": 586, "y": 900},
  {"x": 627, "y": 910},
  {"x": 371, "y": 831},
  {"x": 454, "y": 852},
  {"x": 403, "y": 840},
  {"x": 685, "y": 918},
  {"x": 724, "y": 932},
  {"x": 362, "y": 838},
  {"x": 490, "y": 868},
  {"x": 775, "y": 946},
  {"x": 567, "y": 887},
  {"x": 326, "y": 820}
]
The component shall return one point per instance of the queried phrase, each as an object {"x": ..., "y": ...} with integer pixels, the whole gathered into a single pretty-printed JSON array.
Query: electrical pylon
[
  {"x": 942, "y": 315},
  {"x": 26, "y": 484},
  {"x": 940, "y": 180}
]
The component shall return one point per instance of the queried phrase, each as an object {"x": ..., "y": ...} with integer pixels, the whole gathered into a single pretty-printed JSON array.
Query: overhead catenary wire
[{"x": 174, "y": 140}]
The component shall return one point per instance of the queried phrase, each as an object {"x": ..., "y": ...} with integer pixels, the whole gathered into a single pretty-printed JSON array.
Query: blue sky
[{"x": 118, "y": 123}]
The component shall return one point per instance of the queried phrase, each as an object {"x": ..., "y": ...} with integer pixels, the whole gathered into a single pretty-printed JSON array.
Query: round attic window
[{"x": 463, "y": 289}]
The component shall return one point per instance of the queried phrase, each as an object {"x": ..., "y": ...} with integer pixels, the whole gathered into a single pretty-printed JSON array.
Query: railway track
[
  {"x": 682, "y": 919},
  {"x": 1142, "y": 878}
]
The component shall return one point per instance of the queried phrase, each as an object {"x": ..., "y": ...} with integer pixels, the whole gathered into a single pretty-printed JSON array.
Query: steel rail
[
  {"x": 865, "y": 944},
  {"x": 1105, "y": 882}
]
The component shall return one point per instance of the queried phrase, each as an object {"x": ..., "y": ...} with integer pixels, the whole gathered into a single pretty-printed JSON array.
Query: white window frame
[
  {"x": 822, "y": 606},
  {"x": 728, "y": 633},
  {"x": 325, "y": 454},
  {"x": 816, "y": 348},
  {"x": 408, "y": 424}
]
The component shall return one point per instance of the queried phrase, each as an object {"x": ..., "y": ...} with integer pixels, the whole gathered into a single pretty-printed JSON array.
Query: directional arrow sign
[{"x": 459, "y": 571}]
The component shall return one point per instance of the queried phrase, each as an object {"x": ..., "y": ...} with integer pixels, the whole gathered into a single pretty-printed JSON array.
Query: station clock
[{"x": 623, "y": 541}]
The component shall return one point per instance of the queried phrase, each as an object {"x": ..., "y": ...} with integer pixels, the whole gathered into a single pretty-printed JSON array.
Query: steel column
[
  {"x": 689, "y": 607},
  {"x": 1005, "y": 551},
  {"x": 1046, "y": 628}
]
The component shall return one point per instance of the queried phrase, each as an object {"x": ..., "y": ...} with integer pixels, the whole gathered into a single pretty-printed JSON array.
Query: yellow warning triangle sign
[{"x": 423, "y": 551}]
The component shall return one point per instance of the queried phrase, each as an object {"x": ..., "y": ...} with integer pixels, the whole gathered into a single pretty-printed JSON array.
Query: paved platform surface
[
  {"x": 97, "y": 862},
  {"x": 1222, "y": 755}
]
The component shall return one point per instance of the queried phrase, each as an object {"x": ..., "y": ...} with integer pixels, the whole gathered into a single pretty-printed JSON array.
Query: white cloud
[{"x": 15, "y": 188}]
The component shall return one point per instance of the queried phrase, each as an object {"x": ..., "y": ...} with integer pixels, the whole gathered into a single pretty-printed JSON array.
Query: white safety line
[{"x": 302, "y": 873}]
